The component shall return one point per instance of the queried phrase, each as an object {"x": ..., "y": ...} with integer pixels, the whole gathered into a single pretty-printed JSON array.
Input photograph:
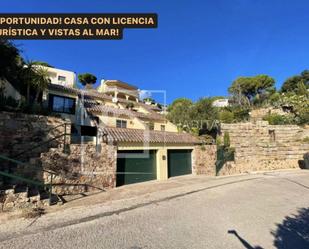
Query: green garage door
[
  {"x": 179, "y": 162},
  {"x": 136, "y": 166}
]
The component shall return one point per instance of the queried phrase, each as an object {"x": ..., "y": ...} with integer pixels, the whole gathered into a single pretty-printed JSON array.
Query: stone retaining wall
[
  {"x": 260, "y": 146},
  {"x": 20, "y": 132},
  {"x": 204, "y": 160},
  {"x": 259, "y": 114},
  {"x": 84, "y": 169}
]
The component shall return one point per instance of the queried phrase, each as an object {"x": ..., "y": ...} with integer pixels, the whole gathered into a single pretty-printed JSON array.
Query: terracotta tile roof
[
  {"x": 90, "y": 97},
  {"x": 140, "y": 136},
  {"x": 105, "y": 109},
  {"x": 64, "y": 89},
  {"x": 150, "y": 107},
  {"x": 123, "y": 112},
  {"x": 79, "y": 92}
]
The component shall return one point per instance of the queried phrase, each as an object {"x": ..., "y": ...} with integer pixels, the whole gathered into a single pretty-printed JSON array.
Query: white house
[
  {"x": 61, "y": 77},
  {"x": 221, "y": 103}
]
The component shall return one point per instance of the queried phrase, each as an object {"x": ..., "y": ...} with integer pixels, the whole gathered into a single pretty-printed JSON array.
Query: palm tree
[
  {"x": 35, "y": 76},
  {"x": 40, "y": 81},
  {"x": 27, "y": 75}
]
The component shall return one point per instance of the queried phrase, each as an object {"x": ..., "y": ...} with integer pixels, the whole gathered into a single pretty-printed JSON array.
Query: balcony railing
[{"x": 133, "y": 93}]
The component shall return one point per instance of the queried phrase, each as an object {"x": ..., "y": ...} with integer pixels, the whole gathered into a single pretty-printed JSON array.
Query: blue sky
[{"x": 199, "y": 48}]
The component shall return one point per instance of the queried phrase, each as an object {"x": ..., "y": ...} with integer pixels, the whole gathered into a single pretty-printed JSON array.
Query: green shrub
[
  {"x": 241, "y": 114},
  {"x": 303, "y": 117},
  {"x": 218, "y": 141},
  {"x": 195, "y": 131},
  {"x": 224, "y": 154},
  {"x": 226, "y": 116},
  {"x": 277, "y": 119},
  {"x": 226, "y": 139},
  {"x": 130, "y": 105}
]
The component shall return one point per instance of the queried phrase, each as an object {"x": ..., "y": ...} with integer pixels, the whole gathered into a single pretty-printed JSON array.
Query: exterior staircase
[
  {"x": 21, "y": 196},
  {"x": 21, "y": 176}
]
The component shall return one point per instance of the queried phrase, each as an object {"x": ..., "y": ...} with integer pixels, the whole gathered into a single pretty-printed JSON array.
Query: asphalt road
[{"x": 260, "y": 211}]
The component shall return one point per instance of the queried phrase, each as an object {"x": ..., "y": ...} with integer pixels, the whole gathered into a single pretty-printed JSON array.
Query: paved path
[{"x": 268, "y": 210}]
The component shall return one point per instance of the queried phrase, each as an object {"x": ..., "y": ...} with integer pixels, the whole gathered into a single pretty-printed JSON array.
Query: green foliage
[
  {"x": 195, "y": 131},
  {"x": 226, "y": 139},
  {"x": 151, "y": 100},
  {"x": 204, "y": 110},
  {"x": 305, "y": 140},
  {"x": 10, "y": 60},
  {"x": 179, "y": 112},
  {"x": 292, "y": 84},
  {"x": 253, "y": 88},
  {"x": 277, "y": 119},
  {"x": 226, "y": 116},
  {"x": 130, "y": 105},
  {"x": 302, "y": 89},
  {"x": 43, "y": 63},
  {"x": 233, "y": 114},
  {"x": 204, "y": 115},
  {"x": 218, "y": 141},
  {"x": 87, "y": 79},
  {"x": 241, "y": 113},
  {"x": 224, "y": 154},
  {"x": 273, "y": 98},
  {"x": 298, "y": 105},
  {"x": 303, "y": 117},
  {"x": 197, "y": 118}
]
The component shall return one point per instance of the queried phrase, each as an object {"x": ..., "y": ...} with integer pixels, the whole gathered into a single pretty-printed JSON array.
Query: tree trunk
[
  {"x": 37, "y": 97},
  {"x": 28, "y": 94}
]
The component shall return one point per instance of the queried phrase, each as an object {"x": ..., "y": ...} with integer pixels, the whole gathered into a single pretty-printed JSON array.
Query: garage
[
  {"x": 179, "y": 162},
  {"x": 136, "y": 166}
]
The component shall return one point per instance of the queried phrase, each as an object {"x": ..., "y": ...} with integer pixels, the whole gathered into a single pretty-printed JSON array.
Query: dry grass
[{"x": 33, "y": 213}]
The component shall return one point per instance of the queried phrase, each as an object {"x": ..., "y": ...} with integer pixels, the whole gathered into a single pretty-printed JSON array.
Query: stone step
[{"x": 18, "y": 197}]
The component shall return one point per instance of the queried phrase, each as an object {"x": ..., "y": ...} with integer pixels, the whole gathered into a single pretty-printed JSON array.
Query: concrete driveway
[{"x": 269, "y": 210}]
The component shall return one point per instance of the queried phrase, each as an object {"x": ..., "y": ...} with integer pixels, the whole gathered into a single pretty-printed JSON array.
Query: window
[
  {"x": 150, "y": 126},
  {"x": 121, "y": 123},
  {"x": 62, "y": 104},
  {"x": 162, "y": 127},
  {"x": 61, "y": 78}
]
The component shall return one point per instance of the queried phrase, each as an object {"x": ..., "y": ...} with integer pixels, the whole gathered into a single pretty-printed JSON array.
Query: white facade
[
  {"x": 61, "y": 77},
  {"x": 221, "y": 103}
]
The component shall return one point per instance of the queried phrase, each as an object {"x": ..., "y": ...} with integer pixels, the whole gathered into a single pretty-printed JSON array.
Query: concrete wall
[{"x": 260, "y": 146}]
